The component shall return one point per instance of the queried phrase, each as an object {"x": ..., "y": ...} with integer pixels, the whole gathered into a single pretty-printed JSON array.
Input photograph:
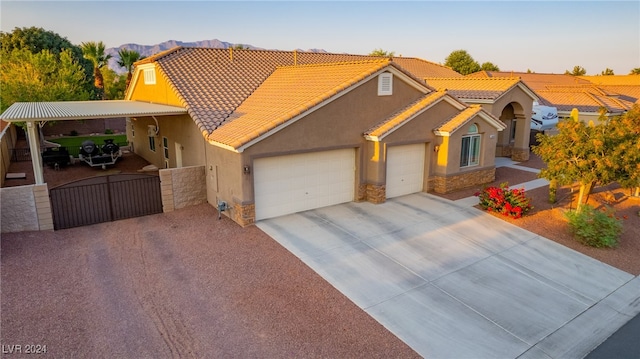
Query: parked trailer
[{"x": 94, "y": 156}]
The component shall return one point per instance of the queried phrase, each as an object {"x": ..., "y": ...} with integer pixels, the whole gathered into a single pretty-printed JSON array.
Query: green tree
[
  {"x": 127, "y": 59},
  {"x": 570, "y": 156},
  {"x": 488, "y": 66},
  {"x": 460, "y": 61},
  {"x": 577, "y": 71},
  {"x": 94, "y": 52},
  {"x": 607, "y": 72},
  {"x": 593, "y": 154},
  {"x": 530, "y": 72},
  {"x": 624, "y": 158},
  {"x": 240, "y": 47},
  {"x": 635, "y": 71},
  {"x": 35, "y": 39},
  {"x": 382, "y": 53},
  {"x": 115, "y": 85},
  {"x": 45, "y": 76}
]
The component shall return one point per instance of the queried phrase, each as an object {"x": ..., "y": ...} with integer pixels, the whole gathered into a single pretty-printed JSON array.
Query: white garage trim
[
  {"x": 405, "y": 169},
  {"x": 294, "y": 183}
]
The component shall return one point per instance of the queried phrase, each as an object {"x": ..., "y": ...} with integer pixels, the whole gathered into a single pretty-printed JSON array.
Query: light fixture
[{"x": 246, "y": 169}]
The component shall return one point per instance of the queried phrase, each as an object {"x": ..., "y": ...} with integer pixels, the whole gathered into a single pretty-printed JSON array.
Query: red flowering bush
[{"x": 509, "y": 202}]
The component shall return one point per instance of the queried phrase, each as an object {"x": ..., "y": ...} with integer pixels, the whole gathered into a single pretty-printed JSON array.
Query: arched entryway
[{"x": 514, "y": 140}]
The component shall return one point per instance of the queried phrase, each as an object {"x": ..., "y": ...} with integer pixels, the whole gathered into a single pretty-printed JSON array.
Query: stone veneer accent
[
  {"x": 447, "y": 184},
  {"x": 26, "y": 208},
  {"x": 182, "y": 187},
  {"x": 244, "y": 215},
  {"x": 520, "y": 154},
  {"x": 376, "y": 193}
]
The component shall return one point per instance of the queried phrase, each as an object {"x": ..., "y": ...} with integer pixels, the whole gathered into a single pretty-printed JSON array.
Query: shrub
[
  {"x": 595, "y": 228},
  {"x": 74, "y": 133},
  {"x": 509, "y": 202},
  {"x": 108, "y": 131}
]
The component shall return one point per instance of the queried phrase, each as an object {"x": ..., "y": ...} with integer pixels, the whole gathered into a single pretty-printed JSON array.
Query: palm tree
[
  {"x": 127, "y": 59},
  {"x": 94, "y": 52}
]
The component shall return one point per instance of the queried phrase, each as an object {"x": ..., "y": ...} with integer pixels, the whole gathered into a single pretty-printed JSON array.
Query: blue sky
[{"x": 544, "y": 36}]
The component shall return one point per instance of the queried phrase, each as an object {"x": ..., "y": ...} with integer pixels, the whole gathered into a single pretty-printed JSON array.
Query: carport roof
[{"x": 80, "y": 110}]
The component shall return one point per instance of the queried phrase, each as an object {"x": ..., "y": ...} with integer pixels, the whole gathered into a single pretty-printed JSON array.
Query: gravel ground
[{"x": 181, "y": 284}]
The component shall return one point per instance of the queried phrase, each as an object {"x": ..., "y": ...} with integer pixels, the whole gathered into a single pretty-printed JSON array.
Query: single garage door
[
  {"x": 294, "y": 183},
  {"x": 405, "y": 169}
]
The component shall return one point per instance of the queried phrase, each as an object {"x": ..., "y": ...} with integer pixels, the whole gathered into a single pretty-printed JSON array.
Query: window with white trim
[
  {"x": 512, "y": 137},
  {"x": 152, "y": 143},
  {"x": 149, "y": 76},
  {"x": 385, "y": 84},
  {"x": 470, "y": 148}
]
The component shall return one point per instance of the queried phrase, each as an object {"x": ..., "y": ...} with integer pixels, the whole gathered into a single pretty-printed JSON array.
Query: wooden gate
[{"x": 105, "y": 198}]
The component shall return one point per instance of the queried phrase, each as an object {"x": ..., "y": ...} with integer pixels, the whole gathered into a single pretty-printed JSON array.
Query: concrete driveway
[{"x": 454, "y": 282}]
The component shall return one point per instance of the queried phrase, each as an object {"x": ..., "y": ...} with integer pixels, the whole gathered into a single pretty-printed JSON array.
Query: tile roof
[
  {"x": 535, "y": 81},
  {"x": 287, "y": 93},
  {"x": 421, "y": 68},
  {"x": 398, "y": 119},
  {"x": 616, "y": 80},
  {"x": 474, "y": 88},
  {"x": 584, "y": 101},
  {"x": 586, "y": 93},
  {"x": 454, "y": 123},
  {"x": 212, "y": 83}
]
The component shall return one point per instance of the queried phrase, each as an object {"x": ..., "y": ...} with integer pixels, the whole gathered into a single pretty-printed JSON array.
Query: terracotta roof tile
[
  {"x": 615, "y": 80},
  {"x": 212, "y": 82},
  {"x": 584, "y": 101},
  {"x": 421, "y": 68},
  {"x": 535, "y": 81},
  {"x": 287, "y": 93},
  {"x": 451, "y": 125},
  {"x": 474, "y": 88},
  {"x": 398, "y": 119}
]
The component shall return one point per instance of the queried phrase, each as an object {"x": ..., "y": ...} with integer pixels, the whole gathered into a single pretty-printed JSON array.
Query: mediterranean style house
[{"x": 280, "y": 132}]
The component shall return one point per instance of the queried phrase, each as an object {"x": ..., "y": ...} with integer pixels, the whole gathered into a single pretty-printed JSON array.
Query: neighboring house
[
  {"x": 280, "y": 132},
  {"x": 508, "y": 99},
  {"x": 593, "y": 96}
]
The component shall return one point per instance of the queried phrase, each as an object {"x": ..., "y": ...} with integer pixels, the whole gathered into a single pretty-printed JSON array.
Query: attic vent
[
  {"x": 149, "y": 77},
  {"x": 385, "y": 84}
]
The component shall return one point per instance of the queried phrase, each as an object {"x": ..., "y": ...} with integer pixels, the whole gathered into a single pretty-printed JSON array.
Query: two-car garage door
[{"x": 294, "y": 183}]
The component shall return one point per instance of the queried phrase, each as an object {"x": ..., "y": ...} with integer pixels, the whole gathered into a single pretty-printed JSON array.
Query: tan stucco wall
[
  {"x": 448, "y": 161},
  {"x": 25, "y": 208},
  {"x": 180, "y": 129},
  {"x": 160, "y": 92}
]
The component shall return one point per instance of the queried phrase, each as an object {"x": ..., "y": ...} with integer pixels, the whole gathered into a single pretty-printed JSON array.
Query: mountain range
[{"x": 148, "y": 50}]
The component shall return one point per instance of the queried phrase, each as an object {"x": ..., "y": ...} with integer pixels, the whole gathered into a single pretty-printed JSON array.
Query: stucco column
[
  {"x": 520, "y": 151},
  {"x": 34, "y": 147}
]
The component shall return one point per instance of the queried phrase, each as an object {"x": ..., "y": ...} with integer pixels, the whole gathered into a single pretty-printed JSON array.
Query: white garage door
[
  {"x": 294, "y": 183},
  {"x": 405, "y": 169}
]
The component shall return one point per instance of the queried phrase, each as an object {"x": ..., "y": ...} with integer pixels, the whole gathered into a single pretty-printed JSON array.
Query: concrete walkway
[{"x": 454, "y": 282}]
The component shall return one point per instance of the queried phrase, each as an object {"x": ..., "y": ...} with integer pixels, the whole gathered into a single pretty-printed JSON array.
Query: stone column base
[
  {"x": 376, "y": 193},
  {"x": 244, "y": 215},
  {"x": 447, "y": 184},
  {"x": 520, "y": 154},
  {"x": 362, "y": 193}
]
